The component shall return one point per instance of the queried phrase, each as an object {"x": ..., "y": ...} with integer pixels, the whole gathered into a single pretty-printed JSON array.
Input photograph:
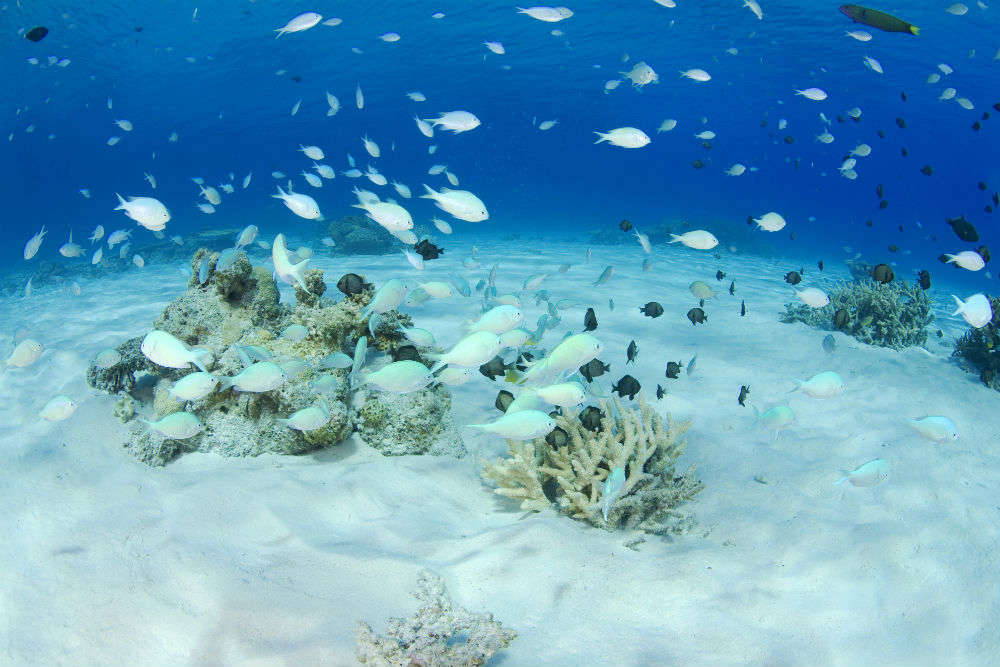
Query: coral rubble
[
  {"x": 571, "y": 471},
  {"x": 439, "y": 634},
  {"x": 893, "y": 315}
]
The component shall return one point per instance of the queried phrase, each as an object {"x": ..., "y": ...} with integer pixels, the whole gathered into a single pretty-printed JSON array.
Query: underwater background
[{"x": 861, "y": 530}]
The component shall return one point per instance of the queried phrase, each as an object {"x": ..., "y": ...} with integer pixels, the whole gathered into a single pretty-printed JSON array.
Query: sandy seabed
[{"x": 273, "y": 560}]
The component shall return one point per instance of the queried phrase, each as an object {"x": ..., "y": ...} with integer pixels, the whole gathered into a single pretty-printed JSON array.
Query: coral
[
  {"x": 356, "y": 234},
  {"x": 415, "y": 423},
  {"x": 572, "y": 475},
  {"x": 892, "y": 315},
  {"x": 125, "y": 408},
  {"x": 314, "y": 281},
  {"x": 235, "y": 314},
  {"x": 121, "y": 376},
  {"x": 439, "y": 634},
  {"x": 978, "y": 350},
  {"x": 233, "y": 283}
]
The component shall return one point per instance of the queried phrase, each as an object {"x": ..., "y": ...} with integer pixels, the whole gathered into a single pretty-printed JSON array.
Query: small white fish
[
  {"x": 417, "y": 96},
  {"x": 333, "y": 22},
  {"x": 969, "y": 260},
  {"x": 815, "y": 94},
  {"x": 85, "y": 192},
  {"x": 359, "y": 97},
  {"x": 870, "y": 474},
  {"x": 862, "y": 150},
  {"x": 667, "y": 125},
  {"x": 138, "y": 261},
  {"x": 624, "y": 137},
  {"x": 124, "y": 125},
  {"x": 325, "y": 170},
  {"x": 246, "y": 180},
  {"x": 441, "y": 225},
  {"x": 31, "y": 247},
  {"x": 813, "y": 297},
  {"x": 822, "y": 385},
  {"x": 547, "y": 14},
  {"x": 58, "y": 409},
  {"x": 696, "y": 74},
  {"x": 98, "y": 254},
  {"x": 495, "y": 47},
  {"x": 705, "y": 135},
  {"x": 859, "y": 35},
  {"x": 390, "y": 37},
  {"x": 295, "y": 107},
  {"x": 976, "y": 310},
  {"x": 945, "y": 69},
  {"x": 299, "y": 23},
  {"x": 699, "y": 239},
  {"x": 151, "y": 180},
  {"x": 547, "y": 124},
  {"x": 936, "y": 428},
  {"x": 415, "y": 260},
  {"x": 333, "y": 103},
  {"x": 371, "y": 146},
  {"x": 873, "y": 65},
  {"x": 957, "y": 9},
  {"x": 522, "y": 425},
  {"x": 736, "y": 170},
  {"x": 311, "y": 152},
  {"x": 113, "y": 140}
]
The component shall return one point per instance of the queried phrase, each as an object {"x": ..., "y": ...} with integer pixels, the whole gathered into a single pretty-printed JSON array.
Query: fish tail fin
[
  {"x": 841, "y": 480},
  {"x": 950, "y": 258},
  {"x": 914, "y": 30},
  {"x": 798, "y": 385},
  {"x": 225, "y": 383},
  {"x": 197, "y": 358},
  {"x": 430, "y": 192},
  {"x": 959, "y": 303},
  {"x": 674, "y": 238},
  {"x": 280, "y": 31},
  {"x": 373, "y": 322},
  {"x": 281, "y": 194},
  {"x": 283, "y": 422},
  {"x": 603, "y": 137},
  {"x": 437, "y": 365},
  {"x": 121, "y": 202}
]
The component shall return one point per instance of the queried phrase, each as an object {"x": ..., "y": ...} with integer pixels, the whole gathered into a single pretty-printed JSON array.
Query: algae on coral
[{"x": 978, "y": 350}]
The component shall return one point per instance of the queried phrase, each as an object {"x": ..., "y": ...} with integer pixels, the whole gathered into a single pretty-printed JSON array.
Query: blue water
[{"x": 232, "y": 114}]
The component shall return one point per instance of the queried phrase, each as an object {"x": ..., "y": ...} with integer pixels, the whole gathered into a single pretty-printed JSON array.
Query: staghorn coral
[
  {"x": 439, "y": 634},
  {"x": 635, "y": 440},
  {"x": 893, "y": 315},
  {"x": 978, "y": 350}
]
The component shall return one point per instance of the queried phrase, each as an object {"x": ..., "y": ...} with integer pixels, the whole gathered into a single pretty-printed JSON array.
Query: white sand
[{"x": 272, "y": 560}]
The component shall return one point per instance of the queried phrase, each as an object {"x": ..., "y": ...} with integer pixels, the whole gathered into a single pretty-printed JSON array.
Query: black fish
[
  {"x": 428, "y": 250},
  {"x": 820, "y": 264},
  {"x": 982, "y": 186},
  {"x": 651, "y": 309},
  {"x": 352, "y": 283},
  {"x": 591, "y": 417},
  {"x": 984, "y": 252},
  {"x": 883, "y": 273},
  {"x": 405, "y": 353},
  {"x": 625, "y": 225},
  {"x": 789, "y": 139},
  {"x": 557, "y": 438},
  {"x": 593, "y": 369},
  {"x": 732, "y": 288},
  {"x": 589, "y": 320},
  {"x": 793, "y": 278},
  {"x": 924, "y": 279},
  {"x": 996, "y": 198},
  {"x": 926, "y": 170},
  {"x": 698, "y": 164},
  {"x": 631, "y": 353},
  {"x": 877, "y": 19},
  {"x": 987, "y": 209},
  {"x": 901, "y": 123},
  {"x": 719, "y": 275},
  {"x": 36, "y": 34},
  {"x": 963, "y": 229},
  {"x": 879, "y": 190},
  {"x": 904, "y": 152},
  {"x": 659, "y": 392},
  {"x": 626, "y": 386},
  {"x": 841, "y": 318},
  {"x": 673, "y": 370},
  {"x": 743, "y": 308},
  {"x": 493, "y": 368},
  {"x": 893, "y": 247},
  {"x": 977, "y": 126},
  {"x": 697, "y": 316},
  {"x": 744, "y": 394},
  {"x": 868, "y": 223},
  {"x": 504, "y": 399},
  {"x": 902, "y": 95},
  {"x": 881, "y": 134},
  {"x": 883, "y": 204}
]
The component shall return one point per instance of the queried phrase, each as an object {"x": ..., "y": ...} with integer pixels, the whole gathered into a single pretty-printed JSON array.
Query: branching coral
[
  {"x": 439, "y": 634},
  {"x": 634, "y": 439},
  {"x": 892, "y": 315},
  {"x": 979, "y": 349}
]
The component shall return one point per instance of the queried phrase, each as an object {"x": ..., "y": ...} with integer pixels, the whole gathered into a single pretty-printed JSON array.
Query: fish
[
  {"x": 878, "y": 19},
  {"x": 594, "y": 368},
  {"x": 936, "y": 428},
  {"x": 822, "y": 385},
  {"x": 673, "y": 370},
  {"x": 34, "y": 243},
  {"x": 744, "y": 394},
  {"x": 976, "y": 310},
  {"x": 589, "y": 320},
  {"x": 299, "y": 23},
  {"x": 177, "y": 426},
  {"x": 626, "y": 386},
  {"x": 631, "y": 353},
  {"x": 869, "y": 474},
  {"x": 520, "y": 425},
  {"x": 651, "y": 309},
  {"x": 613, "y": 487},
  {"x": 605, "y": 276},
  {"x": 455, "y": 121},
  {"x": 697, "y": 316},
  {"x": 624, "y": 137}
]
